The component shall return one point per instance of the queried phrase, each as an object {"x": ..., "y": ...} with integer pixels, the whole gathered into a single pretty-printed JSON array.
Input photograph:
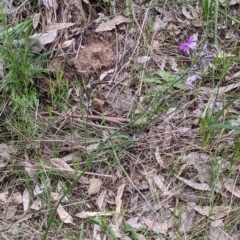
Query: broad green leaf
[
  {"x": 151, "y": 79},
  {"x": 180, "y": 85},
  {"x": 167, "y": 76},
  {"x": 224, "y": 126}
]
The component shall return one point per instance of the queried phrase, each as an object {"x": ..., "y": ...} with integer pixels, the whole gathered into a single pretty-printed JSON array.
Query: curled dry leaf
[
  {"x": 119, "y": 198},
  {"x": 168, "y": 16},
  {"x": 134, "y": 202},
  {"x": 17, "y": 198},
  {"x": 227, "y": 88},
  {"x": 64, "y": 216},
  {"x": 10, "y": 212},
  {"x": 92, "y": 147},
  {"x": 187, "y": 219},
  {"x": 167, "y": 136},
  {"x": 96, "y": 232},
  {"x": 111, "y": 24},
  {"x": 198, "y": 186},
  {"x": 71, "y": 157},
  {"x": 96, "y": 235},
  {"x": 229, "y": 3},
  {"x": 55, "y": 196},
  {"x": 59, "y": 26},
  {"x": 116, "y": 224},
  {"x": 5, "y": 151},
  {"x": 231, "y": 33},
  {"x": 201, "y": 162},
  {"x": 187, "y": 13},
  {"x": 198, "y": 23},
  {"x": 3, "y": 198},
  {"x": 37, "y": 190},
  {"x": 26, "y": 200},
  {"x": 155, "y": 226},
  {"x": 37, "y": 205},
  {"x": 204, "y": 172},
  {"x": 134, "y": 222},
  {"x": 158, "y": 157},
  {"x": 36, "y": 18},
  {"x": 195, "y": 157},
  {"x": 68, "y": 43},
  {"x": 235, "y": 75},
  {"x": 193, "y": 11},
  {"x": 47, "y": 3},
  {"x": 37, "y": 41},
  {"x": 62, "y": 166},
  {"x": 100, "y": 202},
  {"x": 214, "y": 213},
  {"x": 159, "y": 182},
  {"x": 104, "y": 74},
  {"x": 140, "y": 121},
  {"x": 95, "y": 185},
  {"x": 159, "y": 24},
  {"x": 230, "y": 185},
  {"x": 94, "y": 214},
  {"x": 44, "y": 38},
  {"x": 215, "y": 231},
  {"x": 59, "y": 192},
  {"x": 222, "y": 54},
  {"x": 30, "y": 168}
]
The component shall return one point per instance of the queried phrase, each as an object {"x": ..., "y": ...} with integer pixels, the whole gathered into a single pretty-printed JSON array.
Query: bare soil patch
[{"x": 95, "y": 56}]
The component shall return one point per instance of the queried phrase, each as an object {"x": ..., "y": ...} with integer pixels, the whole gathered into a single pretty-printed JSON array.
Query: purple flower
[
  {"x": 209, "y": 56},
  {"x": 194, "y": 69},
  {"x": 186, "y": 47}
]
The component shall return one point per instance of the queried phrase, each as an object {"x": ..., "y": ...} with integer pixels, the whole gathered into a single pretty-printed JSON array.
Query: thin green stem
[{"x": 216, "y": 21}]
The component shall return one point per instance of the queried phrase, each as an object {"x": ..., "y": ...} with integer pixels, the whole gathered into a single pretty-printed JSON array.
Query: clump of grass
[
  {"x": 20, "y": 62},
  {"x": 207, "y": 7}
]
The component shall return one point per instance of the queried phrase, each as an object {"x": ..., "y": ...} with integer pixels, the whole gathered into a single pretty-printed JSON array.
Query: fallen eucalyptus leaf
[
  {"x": 214, "y": 213},
  {"x": 119, "y": 198},
  {"x": 111, "y": 24},
  {"x": 26, "y": 200},
  {"x": 198, "y": 186},
  {"x": 153, "y": 225},
  {"x": 5, "y": 151},
  {"x": 36, "y": 18},
  {"x": 95, "y": 185},
  {"x": 59, "y": 26},
  {"x": 3, "y": 198},
  {"x": 229, "y": 3},
  {"x": 10, "y": 212},
  {"x": 17, "y": 198},
  {"x": 94, "y": 214},
  {"x": 36, "y": 205},
  {"x": 64, "y": 216},
  {"x": 230, "y": 185}
]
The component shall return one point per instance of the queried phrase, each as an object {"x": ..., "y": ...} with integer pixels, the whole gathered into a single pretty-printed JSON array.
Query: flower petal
[{"x": 191, "y": 39}]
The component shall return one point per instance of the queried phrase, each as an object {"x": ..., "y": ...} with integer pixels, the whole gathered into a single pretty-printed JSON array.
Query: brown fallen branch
[
  {"x": 104, "y": 118},
  {"x": 83, "y": 119},
  {"x": 94, "y": 125}
]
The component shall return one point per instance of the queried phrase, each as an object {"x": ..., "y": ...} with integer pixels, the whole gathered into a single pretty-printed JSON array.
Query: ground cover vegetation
[{"x": 119, "y": 119}]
